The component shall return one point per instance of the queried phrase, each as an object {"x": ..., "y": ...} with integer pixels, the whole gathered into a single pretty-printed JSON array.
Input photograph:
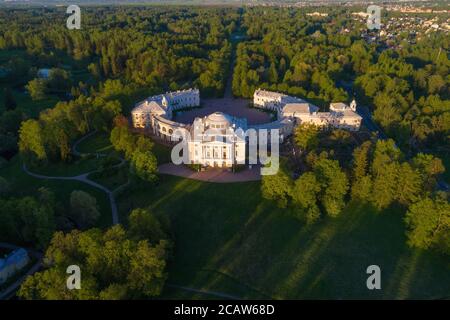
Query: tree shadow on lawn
[
  {"x": 228, "y": 239},
  {"x": 274, "y": 254},
  {"x": 97, "y": 143}
]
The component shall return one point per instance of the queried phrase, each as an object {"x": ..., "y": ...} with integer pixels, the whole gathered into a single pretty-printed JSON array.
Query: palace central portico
[{"x": 214, "y": 139}]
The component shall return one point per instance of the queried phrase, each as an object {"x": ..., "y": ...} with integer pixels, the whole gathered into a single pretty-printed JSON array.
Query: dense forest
[
  {"x": 407, "y": 88},
  {"x": 58, "y": 85},
  {"x": 143, "y": 51}
]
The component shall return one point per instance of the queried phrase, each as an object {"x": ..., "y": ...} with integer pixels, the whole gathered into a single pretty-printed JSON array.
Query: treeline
[
  {"x": 158, "y": 48},
  {"x": 49, "y": 137},
  {"x": 136, "y": 148},
  {"x": 59, "y": 81},
  {"x": 287, "y": 51},
  {"x": 378, "y": 174},
  {"x": 32, "y": 220},
  {"x": 407, "y": 88},
  {"x": 10, "y": 121},
  {"x": 296, "y": 54},
  {"x": 409, "y": 92},
  {"x": 116, "y": 264}
]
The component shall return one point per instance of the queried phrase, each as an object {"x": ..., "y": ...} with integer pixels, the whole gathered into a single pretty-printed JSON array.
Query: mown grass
[
  {"x": 162, "y": 153},
  {"x": 31, "y": 108},
  {"x": 97, "y": 143},
  {"x": 100, "y": 143},
  {"x": 112, "y": 179},
  {"x": 68, "y": 169},
  {"x": 228, "y": 239},
  {"x": 25, "y": 185}
]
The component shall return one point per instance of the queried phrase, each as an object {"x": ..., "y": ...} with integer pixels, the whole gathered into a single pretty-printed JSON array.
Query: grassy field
[
  {"x": 98, "y": 142},
  {"x": 162, "y": 153},
  {"x": 29, "y": 107},
  {"x": 228, "y": 239},
  {"x": 24, "y": 185},
  {"x": 74, "y": 168},
  {"x": 111, "y": 180},
  {"x": 77, "y": 69}
]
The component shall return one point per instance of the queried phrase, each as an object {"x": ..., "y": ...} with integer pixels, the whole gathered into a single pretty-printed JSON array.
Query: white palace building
[{"x": 225, "y": 147}]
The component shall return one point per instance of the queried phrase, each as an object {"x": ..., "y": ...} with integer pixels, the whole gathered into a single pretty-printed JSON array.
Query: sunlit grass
[
  {"x": 228, "y": 239},
  {"x": 25, "y": 185}
]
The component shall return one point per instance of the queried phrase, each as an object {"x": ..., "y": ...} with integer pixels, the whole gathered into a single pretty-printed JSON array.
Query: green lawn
[
  {"x": 162, "y": 153},
  {"x": 74, "y": 168},
  {"x": 24, "y": 185},
  {"x": 30, "y": 107},
  {"x": 98, "y": 142},
  {"x": 111, "y": 180},
  {"x": 227, "y": 239}
]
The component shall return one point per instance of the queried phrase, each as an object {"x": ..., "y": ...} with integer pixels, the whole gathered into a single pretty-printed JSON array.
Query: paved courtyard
[
  {"x": 234, "y": 107},
  {"x": 211, "y": 174}
]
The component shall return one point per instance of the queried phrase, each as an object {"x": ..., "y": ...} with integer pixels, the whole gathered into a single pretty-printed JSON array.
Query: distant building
[
  {"x": 340, "y": 116},
  {"x": 13, "y": 263},
  {"x": 44, "y": 73},
  {"x": 217, "y": 140},
  {"x": 159, "y": 108},
  {"x": 317, "y": 14}
]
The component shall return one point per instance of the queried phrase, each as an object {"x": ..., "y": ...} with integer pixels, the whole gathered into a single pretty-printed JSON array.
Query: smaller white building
[
  {"x": 44, "y": 73},
  {"x": 13, "y": 263},
  {"x": 340, "y": 115},
  {"x": 163, "y": 105}
]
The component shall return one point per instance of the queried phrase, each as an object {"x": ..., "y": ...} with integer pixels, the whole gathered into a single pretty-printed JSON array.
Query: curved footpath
[{"x": 84, "y": 177}]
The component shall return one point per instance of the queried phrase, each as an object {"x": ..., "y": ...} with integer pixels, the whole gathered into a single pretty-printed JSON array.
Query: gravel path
[{"x": 84, "y": 178}]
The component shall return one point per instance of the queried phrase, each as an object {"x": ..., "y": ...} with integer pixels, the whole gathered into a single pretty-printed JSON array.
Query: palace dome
[{"x": 218, "y": 118}]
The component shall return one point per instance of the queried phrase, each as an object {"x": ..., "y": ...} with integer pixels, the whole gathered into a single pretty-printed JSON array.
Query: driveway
[
  {"x": 234, "y": 107},
  {"x": 211, "y": 174}
]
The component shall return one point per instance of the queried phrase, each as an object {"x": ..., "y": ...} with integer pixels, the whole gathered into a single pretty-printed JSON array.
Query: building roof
[
  {"x": 351, "y": 114},
  {"x": 44, "y": 73},
  {"x": 151, "y": 106},
  {"x": 13, "y": 258},
  {"x": 268, "y": 94},
  {"x": 158, "y": 103},
  {"x": 218, "y": 118},
  {"x": 302, "y": 107},
  {"x": 338, "y": 106}
]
